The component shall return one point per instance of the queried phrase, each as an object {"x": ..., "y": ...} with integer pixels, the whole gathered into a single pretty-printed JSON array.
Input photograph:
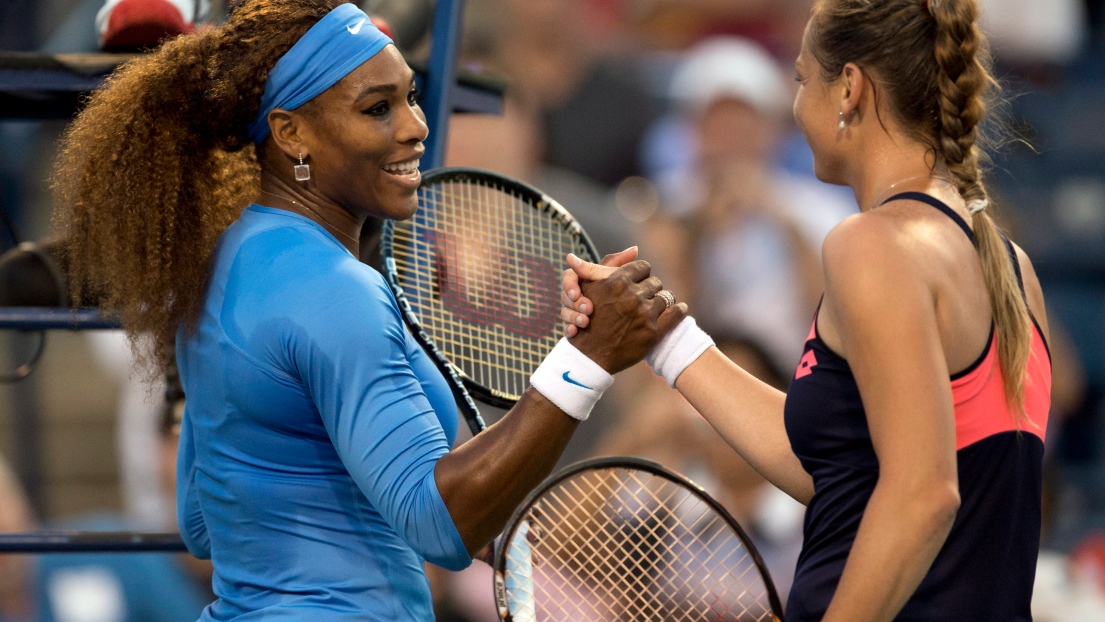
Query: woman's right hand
[{"x": 626, "y": 318}]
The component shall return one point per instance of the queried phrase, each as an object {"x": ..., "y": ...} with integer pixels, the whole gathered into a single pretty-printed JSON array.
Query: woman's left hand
[{"x": 577, "y": 307}]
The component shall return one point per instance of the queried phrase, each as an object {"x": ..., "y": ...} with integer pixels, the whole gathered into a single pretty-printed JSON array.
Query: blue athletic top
[
  {"x": 985, "y": 569},
  {"x": 312, "y": 426}
]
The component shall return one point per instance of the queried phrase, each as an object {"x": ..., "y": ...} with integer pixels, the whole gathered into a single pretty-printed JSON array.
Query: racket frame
[
  {"x": 463, "y": 386},
  {"x": 629, "y": 463}
]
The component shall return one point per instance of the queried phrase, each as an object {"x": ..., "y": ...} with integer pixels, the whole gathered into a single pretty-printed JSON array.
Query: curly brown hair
[
  {"x": 934, "y": 64},
  {"x": 158, "y": 164}
]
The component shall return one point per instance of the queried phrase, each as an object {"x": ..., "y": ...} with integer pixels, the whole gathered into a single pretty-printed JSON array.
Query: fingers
[
  {"x": 569, "y": 285},
  {"x": 635, "y": 271},
  {"x": 647, "y": 292},
  {"x": 581, "y": 304},
  {"x": 650, "y": 286},
  {"x": 670, "y": 318},
  {"x": 589, "y": 271},
  {"x": 621, "y": 258},
  {"x": 571, "y": 317},
  {"x": 566, "y": 300},
  {"x": 570, "y": 330}
]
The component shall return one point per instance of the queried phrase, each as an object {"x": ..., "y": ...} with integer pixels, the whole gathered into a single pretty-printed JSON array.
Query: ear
[
  {"x": 289, "y": 132},
  {"x": 855, "y": 84}
]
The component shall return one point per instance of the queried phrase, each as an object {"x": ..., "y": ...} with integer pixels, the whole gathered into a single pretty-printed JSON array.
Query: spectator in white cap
[
  {"x": 128, "y": 25},
  {"x": 748, "y": 231}
]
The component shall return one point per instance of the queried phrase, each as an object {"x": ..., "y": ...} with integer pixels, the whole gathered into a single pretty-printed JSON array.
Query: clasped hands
[{"x": 611, "y": 311}]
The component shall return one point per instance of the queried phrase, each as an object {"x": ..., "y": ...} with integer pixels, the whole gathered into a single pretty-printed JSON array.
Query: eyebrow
[
  {"x": 378, "y": 88},
  {"x": 381, "y": 88}
]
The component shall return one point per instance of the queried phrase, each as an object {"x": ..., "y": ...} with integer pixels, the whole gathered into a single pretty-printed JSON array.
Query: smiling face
[
  {"x": 363, "y": 137},
  {"x": 817, "y": 108}
]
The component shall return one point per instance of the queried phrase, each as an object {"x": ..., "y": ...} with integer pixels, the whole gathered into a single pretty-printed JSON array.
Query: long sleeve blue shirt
[{"x": 312, "y": 426}]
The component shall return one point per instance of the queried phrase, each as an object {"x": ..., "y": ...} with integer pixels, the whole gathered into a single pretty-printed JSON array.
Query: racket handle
[{"x": 519, "y": 576}]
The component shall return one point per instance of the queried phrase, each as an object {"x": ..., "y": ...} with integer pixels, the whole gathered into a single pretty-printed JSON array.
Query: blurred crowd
[{"x": 660, "y": 123}]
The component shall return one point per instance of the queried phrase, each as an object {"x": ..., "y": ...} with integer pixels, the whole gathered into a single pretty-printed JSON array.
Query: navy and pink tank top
[{"x": 986, "y": 568}]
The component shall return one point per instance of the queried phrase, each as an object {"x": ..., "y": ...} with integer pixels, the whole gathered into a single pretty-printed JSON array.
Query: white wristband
[
  {"x": 570, "y": 380},
  {"x": 676, "y": 351}
]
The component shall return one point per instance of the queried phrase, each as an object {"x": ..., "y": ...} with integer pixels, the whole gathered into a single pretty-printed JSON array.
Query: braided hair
[
  {"x": 158, "y": 164},
  {"x": 932, "y": 63}
]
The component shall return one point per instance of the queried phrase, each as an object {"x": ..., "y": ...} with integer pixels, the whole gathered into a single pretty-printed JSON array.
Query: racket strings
[
  {"x": 627, "y": 545},
  {"x": 677, "y": 580},
  {"x": 481, "y": 270}
]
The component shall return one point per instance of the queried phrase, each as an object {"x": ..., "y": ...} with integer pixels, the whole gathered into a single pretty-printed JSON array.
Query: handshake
[{"x": 616, "y": 314}]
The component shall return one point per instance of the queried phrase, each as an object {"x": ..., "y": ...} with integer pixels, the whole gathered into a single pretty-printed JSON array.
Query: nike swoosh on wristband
[
  {"x": 355, "y": 29},
  {"x": 578, "y": 384}
]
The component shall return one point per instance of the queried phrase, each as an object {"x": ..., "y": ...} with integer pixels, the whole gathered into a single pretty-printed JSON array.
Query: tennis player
[
  {"x": 315, "y": 464},
  {"x": 913, "y": 428}
]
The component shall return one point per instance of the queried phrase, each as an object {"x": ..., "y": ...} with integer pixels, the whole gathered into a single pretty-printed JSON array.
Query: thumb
[
  {"x": 621, "y": 258},
  {"x": 589, "y": 271}
]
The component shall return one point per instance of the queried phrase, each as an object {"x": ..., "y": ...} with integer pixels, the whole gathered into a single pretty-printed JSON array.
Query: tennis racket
[
  {"x": 624, "y": 538},
  {"x": 476, "y": 272}
]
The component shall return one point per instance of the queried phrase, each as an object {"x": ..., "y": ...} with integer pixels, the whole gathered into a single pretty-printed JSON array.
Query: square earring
[{"x": 302, "y": 171}]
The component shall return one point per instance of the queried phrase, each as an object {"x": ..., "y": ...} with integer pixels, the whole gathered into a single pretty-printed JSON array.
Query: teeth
[{"x": 402, "y": 168}]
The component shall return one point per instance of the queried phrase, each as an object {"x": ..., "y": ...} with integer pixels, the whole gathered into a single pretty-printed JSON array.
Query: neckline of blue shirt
[{"x": 276, "y": 211}]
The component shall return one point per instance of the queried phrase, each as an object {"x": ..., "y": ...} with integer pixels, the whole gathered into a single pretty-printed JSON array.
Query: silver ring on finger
[{"x": 669, "y": 298}]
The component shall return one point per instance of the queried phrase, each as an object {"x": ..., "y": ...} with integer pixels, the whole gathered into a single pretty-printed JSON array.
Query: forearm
[
  {"x": 899, "y": 536},
  {"x": 484, "y": 480},
  {"x": 748, "y": 414}
]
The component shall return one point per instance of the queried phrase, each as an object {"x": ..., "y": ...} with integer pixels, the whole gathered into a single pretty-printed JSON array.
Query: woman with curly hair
[
  {"x": 315, "y": 464},
  {"x": 913, "y": 428}
]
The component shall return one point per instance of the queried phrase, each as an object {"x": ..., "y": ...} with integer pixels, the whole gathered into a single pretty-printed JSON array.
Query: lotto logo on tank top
[{"x": 806, "y": 365}]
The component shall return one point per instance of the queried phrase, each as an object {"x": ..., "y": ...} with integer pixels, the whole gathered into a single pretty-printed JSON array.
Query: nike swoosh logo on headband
[
  {"x": 573, "y": 381},
  {"x": 355, "y": 29}
]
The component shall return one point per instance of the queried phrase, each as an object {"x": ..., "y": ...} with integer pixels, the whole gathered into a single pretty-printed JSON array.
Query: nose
[{"x": 412, "y": 126}]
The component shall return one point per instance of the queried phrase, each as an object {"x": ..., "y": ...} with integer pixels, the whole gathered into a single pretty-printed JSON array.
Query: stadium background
[{"x": 594, "y": 116}]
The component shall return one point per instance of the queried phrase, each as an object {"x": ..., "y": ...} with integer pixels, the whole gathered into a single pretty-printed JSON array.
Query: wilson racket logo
[{"x": 489, "y": 286}]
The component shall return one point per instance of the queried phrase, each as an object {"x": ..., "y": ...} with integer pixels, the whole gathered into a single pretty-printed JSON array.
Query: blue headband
[{"x": 329, "y": 51}]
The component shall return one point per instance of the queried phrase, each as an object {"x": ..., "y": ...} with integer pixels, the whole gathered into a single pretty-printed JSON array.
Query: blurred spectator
[
  {"x": 1029, "y": 32},
  {"x": 740, "y": 238},
  {"x": 15, "y": 517},
  {"x": 132, "y": 25},
  {"x": 590, "y": 99},
  {"x": 676, "y": 24},
  {"x": 132, "y": 587},
  {"x": 146, "y": 501}
]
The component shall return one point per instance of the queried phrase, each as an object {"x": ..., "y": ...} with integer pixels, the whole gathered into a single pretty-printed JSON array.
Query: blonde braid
[{"x": 963, "y": 78}]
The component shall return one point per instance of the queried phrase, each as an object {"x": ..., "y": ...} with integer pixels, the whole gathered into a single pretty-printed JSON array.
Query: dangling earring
[
  {"x": 303, "y": 171},
  {"x": 842, "y": 124}
]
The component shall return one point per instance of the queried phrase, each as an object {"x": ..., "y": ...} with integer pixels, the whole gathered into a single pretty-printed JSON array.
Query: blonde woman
[{"x": 913, "y": 428}]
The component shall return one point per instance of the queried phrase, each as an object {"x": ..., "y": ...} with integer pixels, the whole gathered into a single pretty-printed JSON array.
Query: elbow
[
  {"x": 193, "y": 531},
  {"x": 197, "y": 542},
  {"x": 424, "y": 521},
  {"x": 938, "y": 504},
  {"x": 949, "y": 507},
  {"x": 929, "y": 505}
]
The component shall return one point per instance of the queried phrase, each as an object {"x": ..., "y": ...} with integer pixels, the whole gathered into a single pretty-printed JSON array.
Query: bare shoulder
[
  {"x": 1034, "y": 293},
  {"x": 870, "y": 243},
  {"x": 871, "y": 261}
]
